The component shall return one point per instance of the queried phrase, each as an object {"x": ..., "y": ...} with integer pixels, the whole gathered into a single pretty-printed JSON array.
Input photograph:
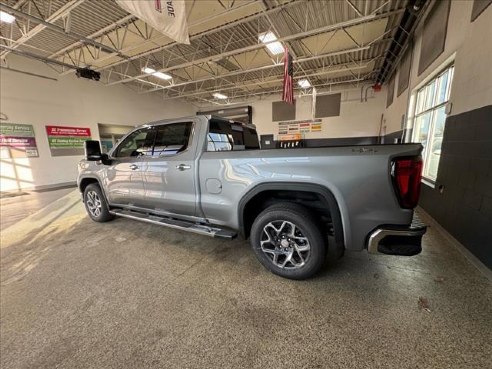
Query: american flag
[{"x": 288, "y": 89}]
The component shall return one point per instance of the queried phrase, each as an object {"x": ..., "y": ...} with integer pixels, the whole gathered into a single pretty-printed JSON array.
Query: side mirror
[
  {"x": 92, "y": 150},
  {"x": 105, "y": 159}
]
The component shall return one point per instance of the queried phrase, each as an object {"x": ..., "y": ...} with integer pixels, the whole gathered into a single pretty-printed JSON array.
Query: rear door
[
  {"x": 124, "y": 180},
  {"x": 170, "y": 174}
]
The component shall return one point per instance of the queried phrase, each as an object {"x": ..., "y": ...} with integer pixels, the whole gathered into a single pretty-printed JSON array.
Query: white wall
[
  {"x": 472, "y": 84},
  {"x": 68, "y": 102},
  {"x": 468, "y": 44},
  {"x": 357, "y": 119}
]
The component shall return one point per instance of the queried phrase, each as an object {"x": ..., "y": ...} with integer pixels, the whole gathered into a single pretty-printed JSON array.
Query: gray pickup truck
[{"x": 208, "y": 175}]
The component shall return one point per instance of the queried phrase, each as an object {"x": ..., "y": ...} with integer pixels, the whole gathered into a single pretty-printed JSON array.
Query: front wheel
[
  {"x": 289, "y": 241},
  {"x": 96, "y": 205}
]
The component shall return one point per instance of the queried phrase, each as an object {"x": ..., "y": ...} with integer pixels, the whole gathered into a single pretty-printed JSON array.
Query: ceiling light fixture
[
  {"x": 156, "y": 74},
  {"x": 6, "y": 17},
  {"x": 270, "y": 41},
  {"x": 304, "y": 83},
  {"x": 219, "y": 96}
]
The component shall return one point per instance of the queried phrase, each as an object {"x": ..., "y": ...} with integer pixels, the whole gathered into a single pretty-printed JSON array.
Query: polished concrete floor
[
  {"x": 76, "y": 294},
  {"x": 17, "y": 207}
]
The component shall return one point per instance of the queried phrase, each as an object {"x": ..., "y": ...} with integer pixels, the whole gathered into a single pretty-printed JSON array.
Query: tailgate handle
[{"x": 182, "y": 167}]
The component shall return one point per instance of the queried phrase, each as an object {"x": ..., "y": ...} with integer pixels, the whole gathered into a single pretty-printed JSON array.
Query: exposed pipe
[
  {"x": 28, "y": 54},
  {"x": 28, "y": 73}
]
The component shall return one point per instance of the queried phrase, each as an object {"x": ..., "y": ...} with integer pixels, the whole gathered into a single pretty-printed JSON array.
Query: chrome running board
[{"x": 175, "y": 224}]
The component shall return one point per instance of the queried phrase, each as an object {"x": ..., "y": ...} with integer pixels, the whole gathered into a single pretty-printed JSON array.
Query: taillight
[{"x": 407, "y": 174}]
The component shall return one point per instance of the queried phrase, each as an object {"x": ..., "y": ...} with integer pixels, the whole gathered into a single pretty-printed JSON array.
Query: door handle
[
  {"x": 133, "y": 167},
  {"x": 182, "y": 167}
]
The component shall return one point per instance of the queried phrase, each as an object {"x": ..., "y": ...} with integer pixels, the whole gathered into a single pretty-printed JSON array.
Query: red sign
[{"x": 68, "y": 131}]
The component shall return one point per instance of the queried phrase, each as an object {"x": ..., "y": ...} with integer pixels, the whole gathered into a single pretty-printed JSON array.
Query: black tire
[
  {"x": 94, "y": 198},
  {"x": 308, "y": 234}
]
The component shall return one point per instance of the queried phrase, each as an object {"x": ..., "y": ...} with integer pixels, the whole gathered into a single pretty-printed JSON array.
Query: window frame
[
  {"x": 433, "y": 110},
  {"x": 153, "y": 128}
]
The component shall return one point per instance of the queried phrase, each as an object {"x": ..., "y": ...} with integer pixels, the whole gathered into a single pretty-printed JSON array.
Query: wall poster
[
  {"x": 299, "y": 127},
  {"x": 17, "y": 141},
  {"x": 66, "y": 141}
]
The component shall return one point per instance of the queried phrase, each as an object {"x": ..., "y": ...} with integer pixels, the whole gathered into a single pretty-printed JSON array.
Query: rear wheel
[
  {"x": 95, "y": 204},
  {"x": 288, "y": 241}
]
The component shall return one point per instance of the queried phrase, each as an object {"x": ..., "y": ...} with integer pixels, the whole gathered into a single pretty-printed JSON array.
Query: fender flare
[
  {"x": 96, "y": 179},
  {"x": 295, "y": 186}
]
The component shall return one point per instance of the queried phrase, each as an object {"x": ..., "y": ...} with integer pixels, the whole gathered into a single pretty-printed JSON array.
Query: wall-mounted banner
[
  {"x": 66, "y": 141},
  {"x": 299, "y": 126},
  {"x": 17, "y": 141}
]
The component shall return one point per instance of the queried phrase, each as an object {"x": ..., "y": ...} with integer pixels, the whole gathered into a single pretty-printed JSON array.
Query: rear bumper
[{"x": 397, "y": 240}]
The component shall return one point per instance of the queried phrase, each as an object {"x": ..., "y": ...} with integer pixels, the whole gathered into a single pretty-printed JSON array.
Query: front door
[
  {"x": 124, "y": 177},
  {"x": 169, "y": 177}
]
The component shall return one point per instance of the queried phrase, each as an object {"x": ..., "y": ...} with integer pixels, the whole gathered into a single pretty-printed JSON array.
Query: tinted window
[
  {"x": 171, "y": 138},
  {"x": 219, "y": 137},
  {"x": 251, "y": 141},
  {"x": 138, "y": 143},
  {"x": 224, "y": 136}
]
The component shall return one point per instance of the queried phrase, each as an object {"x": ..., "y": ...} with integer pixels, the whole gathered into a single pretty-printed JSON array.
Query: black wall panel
[
  {"x": 404, "y": 75},
  {"x": 391, "y": 91},
  {"x": 328, "y": 105},
  {"x": 283, "y": 111},
  {"x": 478, "y": 7},
  {"x": 464, "y": 208},
  {"x": 434, "y": 35}
]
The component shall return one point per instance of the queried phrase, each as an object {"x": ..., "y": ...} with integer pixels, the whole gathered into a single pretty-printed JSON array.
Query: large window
[{"x": 429, "y": 120}]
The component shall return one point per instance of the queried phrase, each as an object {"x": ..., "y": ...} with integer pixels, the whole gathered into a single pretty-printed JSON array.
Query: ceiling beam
[
  {"x": 129, "y": 19},
  {"x": 256, "y": 46},
  {"x": 319, "y": 88},
  {"x": 258, "y": 82},
  {"x": 60, "y": 30},
  {"x": 65, "y": 9},
  {"x": 257, "y": 69},
  {"x": 28, "y": 54},
  {"x": 202, "y": 34}
]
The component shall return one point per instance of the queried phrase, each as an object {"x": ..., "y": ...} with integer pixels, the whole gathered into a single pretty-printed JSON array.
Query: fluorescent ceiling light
[
  {"x": 270, "y": 41},
  {"x": 7, "y": 18},
  {"x": 220, "y": 96},
  {"x": 304, "y": 83},
  {"x": 157, "y": 74},
  {"x": 148, "y": 70}
]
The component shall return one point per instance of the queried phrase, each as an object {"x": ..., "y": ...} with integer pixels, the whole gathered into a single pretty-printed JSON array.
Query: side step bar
[{"x": 176, "y": 224}]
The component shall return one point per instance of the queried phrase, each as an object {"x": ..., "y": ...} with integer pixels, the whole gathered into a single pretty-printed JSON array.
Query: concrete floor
[
  {"x": 77, "y": 294},
  {"x": 15, "y": 208}
]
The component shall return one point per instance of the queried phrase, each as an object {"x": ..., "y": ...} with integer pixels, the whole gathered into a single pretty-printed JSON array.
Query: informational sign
[
  {"x": 299, "y": 127},
  {"x": 293, "y": 137},
  {"x": 17, "y": 141},
  {"x": 66, "y": 141}
]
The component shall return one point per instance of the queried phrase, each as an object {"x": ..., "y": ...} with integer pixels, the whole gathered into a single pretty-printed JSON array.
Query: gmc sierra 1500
[{"x": 208, "y": 175}]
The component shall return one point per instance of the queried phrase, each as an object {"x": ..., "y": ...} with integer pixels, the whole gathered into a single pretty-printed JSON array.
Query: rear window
[{"x": 225, "y": 136}]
